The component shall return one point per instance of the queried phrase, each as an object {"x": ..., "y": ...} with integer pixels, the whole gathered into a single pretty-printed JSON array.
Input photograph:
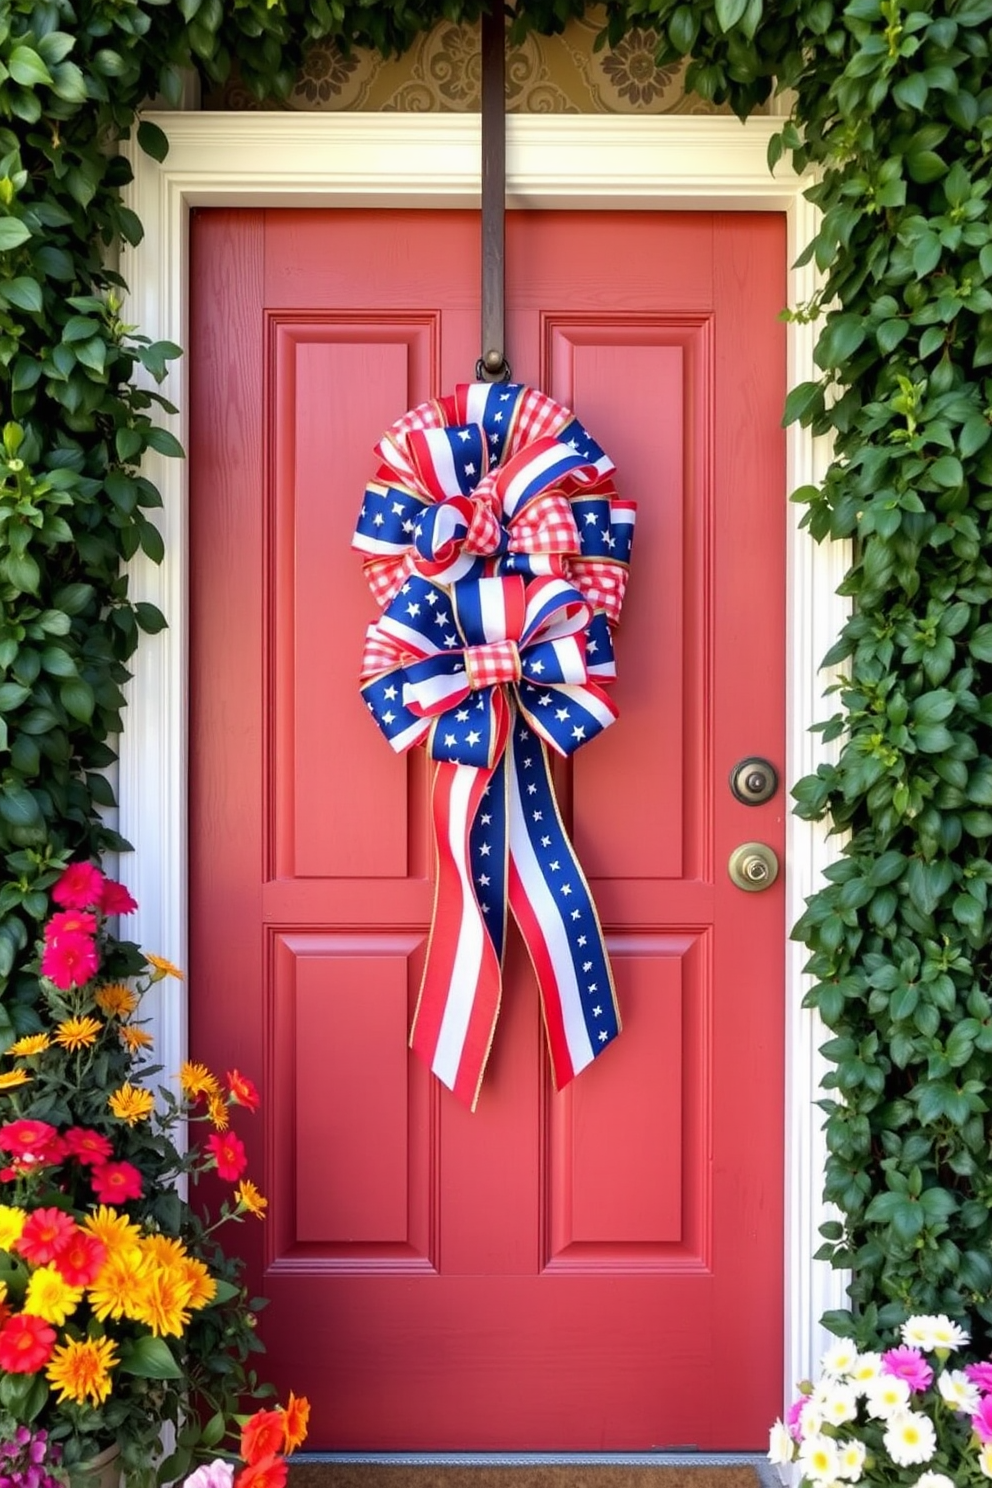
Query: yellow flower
[
  {"x": 114, "y": 1230},
  {"x": 115, "y": 999},
  {"x": 163, "y": 1301},
  {"x": 162, "y": 967},
  {"x": 81, "y": 1371},
  {"x": 131, "y": 1104},
  {"x": 217, "y": 1110},
  {"x": 13, "y": 1078},
  {"x": 197, "y": 1080},
  {"x": 249, "y": 1198},
  {"x": 163, "y": 1250},
  {"x": 11, "y": 1225},
  {"x": 31, "y": 1043},
  {"x": 117, "y": 1290},
  {"x": 136, "y": 1038},
  {"x": 203, "y": 1287},
  {"x": 49, "y": 1296},
  {"x": 77, "y": 1033}
]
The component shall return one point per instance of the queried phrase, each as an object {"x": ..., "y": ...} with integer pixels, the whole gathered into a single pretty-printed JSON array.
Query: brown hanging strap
[{"x": 493, "y": 366}]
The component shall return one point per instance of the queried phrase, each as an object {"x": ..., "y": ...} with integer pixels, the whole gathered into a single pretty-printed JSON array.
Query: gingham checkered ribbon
[
  {"x": 511, "y": 670},
  {"x": 494, "y": 541},
  {"x": 496, "y": 478}
]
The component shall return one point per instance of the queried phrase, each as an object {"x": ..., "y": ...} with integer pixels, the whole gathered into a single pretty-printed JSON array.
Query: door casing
[{"x": 432, "y": 160}]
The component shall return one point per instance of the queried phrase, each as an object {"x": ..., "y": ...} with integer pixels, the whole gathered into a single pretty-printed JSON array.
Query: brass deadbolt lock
[
  {"x": 754, "y": 780},
  {"x": 753, "y": 866}
]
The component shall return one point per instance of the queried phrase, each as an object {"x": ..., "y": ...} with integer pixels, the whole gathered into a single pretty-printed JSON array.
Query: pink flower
[
  {"x": 80, "y": 885},
  {"x": 982, "y": 1420},
  {"x": 115, "y": 899},
  {"x": 230, "y": 1158},
  {"x": 87, "y": 1146},
  {"x": 70, "y": 922},
  {"x": 792, "y": 1417},
  {"x": 115, "y": 1182},
  {"x": 70, "y": 961},
  {"x": 908, "y": 1364},
  {"x": 980, "y": 1375},
  {"x": 216, "y": 1474}
]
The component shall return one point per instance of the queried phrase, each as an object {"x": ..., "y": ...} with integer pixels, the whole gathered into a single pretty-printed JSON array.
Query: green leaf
[
  {"x": 13, "y": 233},
  {"x": 150, "y": 1358},
  {"x": 925, "y": 166},
  {"x": 149, "y": 617},
  {"x": 78, "y": 699},
  {"x": 165, "y": 442},
  {"x": 27, "y": 68},
  {"x": 803, "y": 402},
  {"x": 153, "y": 140},
  {"x": 728, "y": 13},
  {"x": 24, "y": 293}
]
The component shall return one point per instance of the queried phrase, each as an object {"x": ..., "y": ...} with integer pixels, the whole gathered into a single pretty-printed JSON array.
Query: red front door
[{"x": 600, "y": 1268}]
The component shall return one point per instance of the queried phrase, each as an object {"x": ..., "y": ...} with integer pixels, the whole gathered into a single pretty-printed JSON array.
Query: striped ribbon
[{"x": 496, "y": 543}]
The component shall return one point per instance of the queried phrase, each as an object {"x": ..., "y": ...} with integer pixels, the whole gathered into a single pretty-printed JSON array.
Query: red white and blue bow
[
  {"x": 495, "y": 478},
  {"x": 490, "y": 673}
]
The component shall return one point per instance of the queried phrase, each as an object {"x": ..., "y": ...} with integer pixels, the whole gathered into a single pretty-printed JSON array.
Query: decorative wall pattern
[{"x": 545, "y": 75}]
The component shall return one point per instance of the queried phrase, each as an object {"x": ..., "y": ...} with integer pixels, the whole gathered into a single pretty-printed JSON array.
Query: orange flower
[
  {"x": 13, "y": 1078},
  {"x": 81, "y": 1370},
  {"x": 242, "y": 1090},
  {"x": 295, "y": 1419},
  {"x": 162, "y": 967},
  {"x": 217, "y": 1111},
  {"x": 249, "y": 1198},
  {"x": 262, "y": 1435},
  {"x": 197, "y": 1080},
  {"x": 115, "y": 999},
  {"x": 136, "y": 1038},
  {"x": 31, "y": 1043},
  {"x": 77, "y": 1033},
  {"x": 131, "y": 1104},
  {"x": 269, "y": 1472}
]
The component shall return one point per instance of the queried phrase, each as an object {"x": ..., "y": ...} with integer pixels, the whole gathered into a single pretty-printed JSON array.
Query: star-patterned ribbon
[
  {"x": 490, "y": 674},
  {"x": 498, "y": 547}
]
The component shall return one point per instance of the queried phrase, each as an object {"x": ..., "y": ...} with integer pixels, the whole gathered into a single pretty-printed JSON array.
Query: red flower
[
  {"x": 45, "y": 1233},
  {"x": 114, "y": 1182},
  {"x": 81, "y": 884},
  {"x": 87, "y": 1146},
  {"x": 229, "y": 1155},
  {"x": 26, "y": 1344},
  {"x": 70, "y": 922},
  {"x": 242, "y": 1090},
  {"x": 262, "y": 1435},
  {"x": 81, "y": 1261},
  {"x": 70, "y": 961},
  {"x": 27, "y": 1138},
  {"x": 115, "y": 899},
  {"x": 268, "y": 1472}
]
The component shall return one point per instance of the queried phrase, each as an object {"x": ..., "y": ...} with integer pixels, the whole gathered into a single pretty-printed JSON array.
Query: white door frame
[{"x": 432, "y": 160}]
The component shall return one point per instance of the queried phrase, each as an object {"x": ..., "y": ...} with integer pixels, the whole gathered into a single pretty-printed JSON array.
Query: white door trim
[{"x": 382, "y": 160}]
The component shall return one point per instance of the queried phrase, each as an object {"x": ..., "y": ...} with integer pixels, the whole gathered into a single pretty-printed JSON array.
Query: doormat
[{"x": 684, "y": 1473}]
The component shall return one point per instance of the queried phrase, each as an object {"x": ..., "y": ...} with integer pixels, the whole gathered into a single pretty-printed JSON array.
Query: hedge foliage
[{"x": 893, "y": 108}]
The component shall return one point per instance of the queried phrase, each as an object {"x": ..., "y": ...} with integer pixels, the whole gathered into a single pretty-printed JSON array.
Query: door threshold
[{"x": 663, "y": 1457}]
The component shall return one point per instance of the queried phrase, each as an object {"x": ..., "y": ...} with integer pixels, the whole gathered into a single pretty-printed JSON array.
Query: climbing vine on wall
[{"x": 892, "y": 108}]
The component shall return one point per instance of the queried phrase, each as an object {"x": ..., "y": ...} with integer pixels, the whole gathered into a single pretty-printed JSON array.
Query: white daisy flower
[
  {"x": 959, "y": 1392},
  {"x": 840, "y": 1358},
  {"x": 985, "y": 1458},
  {"x": 934, "y": 1480},
  {"x": 852, "y": 1460},
  {"x": 885, "y": 1395},
  {"x": 868, "y": 1367},
  {"x": 839, "y": 1404},
  {"x": 781, "y": 1447},
  {"x": 819, "y": 1458},
  {"x": 811, "y": 1420},
  {"x": 929, "y": 1332},
  {"x": 909, "y": 1438}
]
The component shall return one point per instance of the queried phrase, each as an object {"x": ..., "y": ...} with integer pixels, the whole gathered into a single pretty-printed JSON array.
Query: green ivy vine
[{"x": 892, "y": 108}]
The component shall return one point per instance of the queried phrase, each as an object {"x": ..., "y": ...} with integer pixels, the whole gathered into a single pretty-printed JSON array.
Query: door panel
[{"x": 557, "y": 1270}]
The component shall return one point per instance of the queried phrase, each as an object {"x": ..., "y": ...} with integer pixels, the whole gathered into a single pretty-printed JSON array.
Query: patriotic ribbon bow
[
  {"x": 495, "y": 478},
  {"x": 490, "y": 674}
]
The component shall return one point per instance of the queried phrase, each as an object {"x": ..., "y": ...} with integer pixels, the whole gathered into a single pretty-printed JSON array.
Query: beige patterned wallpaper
[{"x": 545, "y": 75}]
